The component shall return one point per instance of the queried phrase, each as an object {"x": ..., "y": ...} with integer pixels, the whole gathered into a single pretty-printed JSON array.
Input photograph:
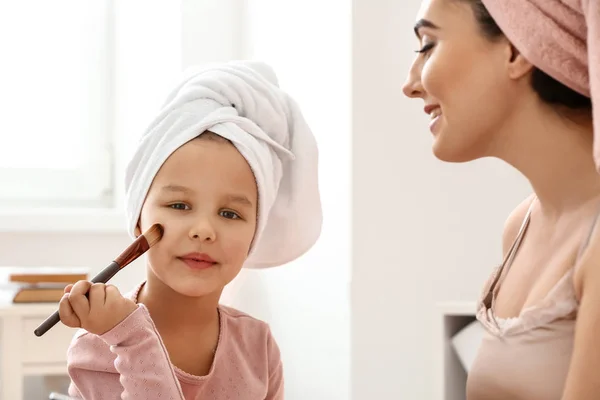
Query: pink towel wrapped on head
[{"x": 561, "y": 38}]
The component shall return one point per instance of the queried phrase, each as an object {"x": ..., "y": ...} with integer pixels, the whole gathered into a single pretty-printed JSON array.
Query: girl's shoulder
[
  {"x": 244, "y": 328},
  {"x": 241, "y": 319},
  {"x": 248, "y": 337}
]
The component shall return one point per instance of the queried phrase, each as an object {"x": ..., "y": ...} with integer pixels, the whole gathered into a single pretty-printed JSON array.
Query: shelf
[{"x": 451, "y": 378}]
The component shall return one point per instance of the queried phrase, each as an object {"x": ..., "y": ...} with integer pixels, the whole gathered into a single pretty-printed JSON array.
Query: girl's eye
[
  {"x": 425, "y": 48},
  {"x": 179, "y": 206},
  {"x": 229, "y": 214}
]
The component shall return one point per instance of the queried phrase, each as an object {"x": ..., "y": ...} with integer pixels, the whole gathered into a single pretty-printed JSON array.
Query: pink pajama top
[{"x": 131, "y": 362}]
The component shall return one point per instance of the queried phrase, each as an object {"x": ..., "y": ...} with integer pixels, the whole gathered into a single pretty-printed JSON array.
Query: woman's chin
[{"x": 452, "y": 153}]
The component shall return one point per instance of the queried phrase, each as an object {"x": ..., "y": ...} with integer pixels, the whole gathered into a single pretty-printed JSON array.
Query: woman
[{"x": 511, "y": 79}]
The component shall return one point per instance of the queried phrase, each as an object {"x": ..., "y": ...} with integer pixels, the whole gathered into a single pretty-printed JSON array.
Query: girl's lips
[
  {"x": 197, "y": 264},
  {"x": 198, "y": 257}
]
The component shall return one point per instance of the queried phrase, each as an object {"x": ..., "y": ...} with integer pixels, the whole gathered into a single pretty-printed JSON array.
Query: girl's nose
[{"x": 203, "y": 230}]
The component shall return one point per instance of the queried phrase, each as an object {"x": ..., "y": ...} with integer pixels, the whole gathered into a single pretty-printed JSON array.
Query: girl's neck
[{"x": 170, "y": 309}]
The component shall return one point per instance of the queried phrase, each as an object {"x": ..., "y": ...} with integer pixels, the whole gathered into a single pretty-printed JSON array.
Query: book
[
  {"x": 41, "y": 277},
  {"x": 44, "y": 274},
  {"x": 38, "y": 295},
  {"x": 38, "y": 284}
]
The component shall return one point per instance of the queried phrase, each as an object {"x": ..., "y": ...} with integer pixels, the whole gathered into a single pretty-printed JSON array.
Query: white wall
[
  {"x": 423, "y": 231},
  {"x": 307, "y": 301}
]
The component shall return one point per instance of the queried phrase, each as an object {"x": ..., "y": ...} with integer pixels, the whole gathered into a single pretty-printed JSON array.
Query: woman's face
[{"x": 461, "y": 75}]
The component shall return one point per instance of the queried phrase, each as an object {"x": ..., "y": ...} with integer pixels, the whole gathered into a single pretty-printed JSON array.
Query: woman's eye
[
  {"x": 179, "y": 206},
  {"x": 229, "y": 215},
  {"x": 425, "y": 48}
]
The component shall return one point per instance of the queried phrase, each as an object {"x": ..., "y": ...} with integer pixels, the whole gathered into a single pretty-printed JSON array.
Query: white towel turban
[{"x": 242, "y": 102}]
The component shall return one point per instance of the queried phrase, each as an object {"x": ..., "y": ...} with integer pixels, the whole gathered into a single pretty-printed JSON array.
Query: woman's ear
[{"x": 518, "y": 66}]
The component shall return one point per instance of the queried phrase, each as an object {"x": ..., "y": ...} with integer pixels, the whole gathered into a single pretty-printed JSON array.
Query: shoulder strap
[
  {"x": 510, "y": 255},
  {"x": 519, "y": 239},
  {"x": 588, "y": 238}
]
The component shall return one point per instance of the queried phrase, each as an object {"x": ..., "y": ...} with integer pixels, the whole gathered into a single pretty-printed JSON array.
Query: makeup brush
[{"x": 141, "y": 245}]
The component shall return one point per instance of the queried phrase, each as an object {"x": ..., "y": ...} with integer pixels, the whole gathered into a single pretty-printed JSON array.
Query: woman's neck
[{"x": 555, "y": 155}]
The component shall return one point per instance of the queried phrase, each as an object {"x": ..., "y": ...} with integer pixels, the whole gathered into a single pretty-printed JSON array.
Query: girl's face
[
  {"x": 461, "y": 75},
  {"x": 205, "y": 196}
]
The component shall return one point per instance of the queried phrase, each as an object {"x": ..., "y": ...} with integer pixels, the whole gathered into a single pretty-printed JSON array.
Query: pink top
[
  {"x": 131, "y": 362},
  {"x": 525, "y": 357}
]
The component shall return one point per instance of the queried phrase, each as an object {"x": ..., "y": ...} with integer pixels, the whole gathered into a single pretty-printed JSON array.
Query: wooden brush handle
[
  {"x": 103, "y": 277},
  {"x": 133, "y": 251}
]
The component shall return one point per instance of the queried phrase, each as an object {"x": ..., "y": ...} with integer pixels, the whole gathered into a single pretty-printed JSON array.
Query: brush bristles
[{"x": 154, "y": 234}]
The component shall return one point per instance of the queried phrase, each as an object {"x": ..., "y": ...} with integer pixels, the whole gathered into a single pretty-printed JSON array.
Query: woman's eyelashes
[{"x": 426, "y": 47}]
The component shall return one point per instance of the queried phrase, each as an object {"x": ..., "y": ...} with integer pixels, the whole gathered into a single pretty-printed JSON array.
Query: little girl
[{"x": 229, "y": 169}]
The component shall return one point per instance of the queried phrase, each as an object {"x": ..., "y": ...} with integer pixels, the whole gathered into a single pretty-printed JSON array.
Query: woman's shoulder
[
  {"x": 513, "y": 223},
  {"x": 586, "y": 267}
]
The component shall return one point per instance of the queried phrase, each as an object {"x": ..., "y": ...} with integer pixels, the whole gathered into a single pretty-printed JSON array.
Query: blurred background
[{"x": 404, "y": 235}]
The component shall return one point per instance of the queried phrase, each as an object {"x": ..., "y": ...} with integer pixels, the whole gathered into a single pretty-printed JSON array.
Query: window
[
  {"x": 56, "y": 124},
  {"x": 79, "y": 83}
]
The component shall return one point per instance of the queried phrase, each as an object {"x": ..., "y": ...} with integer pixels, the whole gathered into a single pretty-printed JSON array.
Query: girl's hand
[{"x": 99, "y": 312}]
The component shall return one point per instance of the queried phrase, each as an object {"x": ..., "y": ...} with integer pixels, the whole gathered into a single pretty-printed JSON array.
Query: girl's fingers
[
  {"x": 67, "y": 315},
  {"x": 79, "y": 302},
  {"x": 97, "y": 296},
  {"x": 68, "y": 288}
]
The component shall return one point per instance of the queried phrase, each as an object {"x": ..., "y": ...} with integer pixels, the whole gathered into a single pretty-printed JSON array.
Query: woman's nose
[{"x": 412, "y": 86}]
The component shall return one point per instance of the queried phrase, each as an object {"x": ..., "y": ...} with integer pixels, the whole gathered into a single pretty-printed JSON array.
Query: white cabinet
[{"x": 22, "y": 353}]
